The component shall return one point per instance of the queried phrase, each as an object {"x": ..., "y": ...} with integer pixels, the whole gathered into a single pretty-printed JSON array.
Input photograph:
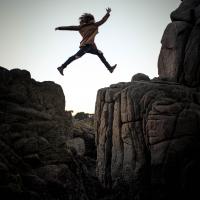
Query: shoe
[
  {"x": 111, "y": 69},
  {"x": 60, "y": 69}
]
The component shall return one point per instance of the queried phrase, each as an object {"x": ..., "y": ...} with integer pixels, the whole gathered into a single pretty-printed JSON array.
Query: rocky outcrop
[
  {"x": 179, "y": 55},
  {"x": 34, "y": 128},
  {"x": 147, "y": 137},
  {"x": 147, "y": 131}
]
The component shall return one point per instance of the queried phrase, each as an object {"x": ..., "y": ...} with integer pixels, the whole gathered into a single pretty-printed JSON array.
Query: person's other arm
[
  {"x": 104, "y": 19},
  {"x": 68, "y": 28}
]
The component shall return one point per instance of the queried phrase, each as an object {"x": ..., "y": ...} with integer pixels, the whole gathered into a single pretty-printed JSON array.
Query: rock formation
[
  {"x": 35, "y": 162},
  {"x": 147, "y": 131},
  {"x": 148, "y": 137},
  {"x": 179, "y": 56}
]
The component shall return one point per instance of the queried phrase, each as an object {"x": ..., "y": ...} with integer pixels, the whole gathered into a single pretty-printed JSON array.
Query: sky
[{"x": 130, "y": 38}]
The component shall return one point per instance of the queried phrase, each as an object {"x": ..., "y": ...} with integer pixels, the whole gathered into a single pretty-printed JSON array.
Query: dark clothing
[
  {"x": 87, "y": 45},
  {"x": 87, "y": 31},
  {"x": 88, "y": 48}
]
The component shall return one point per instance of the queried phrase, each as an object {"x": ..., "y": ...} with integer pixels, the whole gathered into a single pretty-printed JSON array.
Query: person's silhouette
[{"x": 88, "y": 29}]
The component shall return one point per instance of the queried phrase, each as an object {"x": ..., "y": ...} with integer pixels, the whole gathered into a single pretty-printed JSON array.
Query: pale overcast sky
[{"x": 130, "y": 38}]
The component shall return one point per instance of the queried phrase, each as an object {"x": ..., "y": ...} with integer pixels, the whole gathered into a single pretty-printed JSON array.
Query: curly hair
[{"x": 86, "y": 18}]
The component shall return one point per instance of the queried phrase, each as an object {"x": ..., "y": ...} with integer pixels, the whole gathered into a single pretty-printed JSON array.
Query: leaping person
[{"x": 88, "y": 29}]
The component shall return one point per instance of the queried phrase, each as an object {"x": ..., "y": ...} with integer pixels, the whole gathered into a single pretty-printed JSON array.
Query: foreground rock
[
  {"x": 147, "y": 137},
  {"x": 147, "y": 131},
  {"x": 34, "y": 128}
]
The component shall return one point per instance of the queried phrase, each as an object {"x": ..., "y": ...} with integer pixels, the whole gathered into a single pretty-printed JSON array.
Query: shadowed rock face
[
  {"x": 147, "y": 136},
  {"x": 179, "y": 55},
  {"x": 147, "y": 131},
  {"x": 83, "y": 130},
  {"x": 34, "y": 127}
]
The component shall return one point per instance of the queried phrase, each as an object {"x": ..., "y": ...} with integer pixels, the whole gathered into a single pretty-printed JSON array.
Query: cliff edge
[
  {"x": 147, "y": 131},
  {"x": 36, "y": 161}
]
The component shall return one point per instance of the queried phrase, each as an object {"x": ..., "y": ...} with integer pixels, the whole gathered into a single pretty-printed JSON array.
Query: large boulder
[
  {"x": 147, "y": 137},
  {"x": 179, "y": 56},
  {"x": 34, "y": 129},
  {"x": 140, "y": 77},
  {"x": 171, "y": 58}
]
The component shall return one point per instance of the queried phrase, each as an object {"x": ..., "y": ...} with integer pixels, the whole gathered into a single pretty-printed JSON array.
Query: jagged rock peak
[{"x": 179, "y": 56}]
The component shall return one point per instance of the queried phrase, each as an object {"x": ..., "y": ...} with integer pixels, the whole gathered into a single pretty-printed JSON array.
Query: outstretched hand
[{"x": 108, "y": 10}]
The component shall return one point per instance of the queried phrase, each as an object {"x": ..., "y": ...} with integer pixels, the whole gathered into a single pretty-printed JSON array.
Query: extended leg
[
  {"x": 80, "y": 53},
  {"x": 103, "y": 59}
]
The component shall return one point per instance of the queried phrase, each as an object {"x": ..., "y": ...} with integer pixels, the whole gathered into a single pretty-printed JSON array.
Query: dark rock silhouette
[
  {"x": 179, "y": 56},
  {"x": 148, "y": 137},
  {"x": 147, "y": 131},
  {"x": 35, "y": 162},
  {"x": 140, "y": 77}
]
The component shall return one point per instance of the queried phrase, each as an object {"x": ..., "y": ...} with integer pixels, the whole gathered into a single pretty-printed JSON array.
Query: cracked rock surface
[{"x": 147, "y": 137}]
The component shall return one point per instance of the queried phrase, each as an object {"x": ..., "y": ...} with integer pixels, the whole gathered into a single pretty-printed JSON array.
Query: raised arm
[
  {"x": 68, "y": 28},
  {"x": 104, "y": 19}
]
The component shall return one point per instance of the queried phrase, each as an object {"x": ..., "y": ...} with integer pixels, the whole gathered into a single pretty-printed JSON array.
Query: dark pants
[{"x": 89, "y": 48}]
